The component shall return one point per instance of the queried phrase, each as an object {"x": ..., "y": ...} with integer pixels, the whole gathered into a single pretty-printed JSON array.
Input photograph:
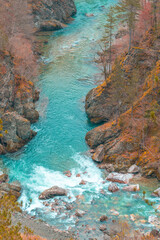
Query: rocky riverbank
[
  {"x": 18, "y": 69},
  {"x": 129, "y": 135}
]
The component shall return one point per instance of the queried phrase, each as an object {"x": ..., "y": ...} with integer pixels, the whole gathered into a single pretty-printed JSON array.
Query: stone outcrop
[
  {"x": 52, "y": 192},
  {"x": 16, "y": 131},
  {"x": 18, "y": 93},
  {"x": 50, "y": 15},
  {"x": 98, "y": 156},
  {"x": 13, "y": 188},
  {"x": 120, "y": 137}
]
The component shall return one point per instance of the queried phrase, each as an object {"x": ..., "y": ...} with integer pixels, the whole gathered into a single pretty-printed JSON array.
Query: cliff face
[
  {"x": 52, "y": 15},
  {"x": 18, "y": 65},
  {"x": 132, "y": 138}
]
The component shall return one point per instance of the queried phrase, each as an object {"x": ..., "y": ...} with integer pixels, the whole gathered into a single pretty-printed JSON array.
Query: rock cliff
[
  {"x": 133, "y": 136},
  {"x": 18, "y": 67},
  {"x": 52, "y": 15}
]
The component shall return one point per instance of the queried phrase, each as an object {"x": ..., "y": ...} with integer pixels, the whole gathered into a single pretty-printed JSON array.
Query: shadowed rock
[{"x": 98, "y": 156}]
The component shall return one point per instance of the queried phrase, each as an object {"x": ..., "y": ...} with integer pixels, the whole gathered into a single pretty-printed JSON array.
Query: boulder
[
  {"x": 79, "y": 213},
  {"x": 69, "y": 207},
  {"x": 156, "y": 193},
  {"x": 154, "y": 220},
  {"x": 2, "y": 150},
  {"x": 30, "y": 113},
  {"x": 132, "y": 188},
  {"x": 113, "y": 187},
  {"x": 6, "y": 188},
  {"x": 16, "y": 186},
  {"x": 89, "y": 15},
  {"x": 107, "y": 166},
  {"x": 155, "y": 233},
  {"x": 82, "y": 182},
  {"x": 119, "y": 177},
  {"x": 52, "y": 192},
  {"x": 103, "y": 228},
  {"x": 98, "y": 156},
  {"x": 78, "y": 175},
  {"x": 3, "y": 178},
  {"x": 134, "y": 169},
  {"x": 68, "y": 173},
  {"x": 51, "y": 25},
  {"x": 103, "y": 218},
  {"x": 17, "y": 127}
]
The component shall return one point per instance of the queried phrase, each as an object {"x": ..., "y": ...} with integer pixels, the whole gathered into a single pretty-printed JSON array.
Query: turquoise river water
[{"x": 67, "y": 76}]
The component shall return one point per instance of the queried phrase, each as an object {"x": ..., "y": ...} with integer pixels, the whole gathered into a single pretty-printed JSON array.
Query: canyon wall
[
  {"x": 18, "y": 64},
  {"x": 131, "y": 134}
]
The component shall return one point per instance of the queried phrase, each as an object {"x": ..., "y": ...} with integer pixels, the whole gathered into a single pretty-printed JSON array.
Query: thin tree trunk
[{"x": 130, "y": 38}]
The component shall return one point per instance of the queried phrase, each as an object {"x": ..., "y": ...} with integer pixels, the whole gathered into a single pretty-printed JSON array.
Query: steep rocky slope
[
  {"x": 134, "y": 136},
  {"x": 52, "y": 15},
  {"x": 18, "y": 65}
]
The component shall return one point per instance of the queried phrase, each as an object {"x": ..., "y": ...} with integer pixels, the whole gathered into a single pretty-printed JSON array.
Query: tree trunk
[{"x": 130, "y": 38}]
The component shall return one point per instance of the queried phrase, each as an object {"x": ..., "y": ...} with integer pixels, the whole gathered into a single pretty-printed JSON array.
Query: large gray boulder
[{"x": 52, "y": 192}]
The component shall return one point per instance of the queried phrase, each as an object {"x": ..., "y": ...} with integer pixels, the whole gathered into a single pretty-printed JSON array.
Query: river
[{"x": 66, "y": 77}]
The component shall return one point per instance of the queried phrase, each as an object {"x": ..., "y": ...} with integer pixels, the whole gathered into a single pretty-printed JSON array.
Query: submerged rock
[
  {"x": 113, "y": 187},
  {"x": 103, "y": 228},
  {"x": 119, "y": 177},
  {"x": 134, "y": 169},
  {"x": 103, "y": 218},
  {"x": 89, "y": 15},
  {"x": 132, "y": 188},
  {"x": 98, "y": 156},
  {"x": 82, "y": 182},
  {"x": 52, "y": 192},
  {"x": 156, "y": 193},
  {"x": 79, "y": 213},
  {"x": 68, "y": 173}
]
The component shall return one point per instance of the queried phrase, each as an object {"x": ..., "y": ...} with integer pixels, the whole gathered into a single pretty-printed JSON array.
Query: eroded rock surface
[
  {"x": 50, "y": 15},
  {"x": 52, "y": 192},
  {"x": 119, "y": 177}
]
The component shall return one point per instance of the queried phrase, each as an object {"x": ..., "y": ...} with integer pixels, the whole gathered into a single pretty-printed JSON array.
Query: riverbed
[{"x": 68, "y": 73}]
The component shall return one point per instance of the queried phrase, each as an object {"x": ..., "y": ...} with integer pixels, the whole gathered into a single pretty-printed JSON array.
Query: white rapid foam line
[{"x": 43, "y": 178}]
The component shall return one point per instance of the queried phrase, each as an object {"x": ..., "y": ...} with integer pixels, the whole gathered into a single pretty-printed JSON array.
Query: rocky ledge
[{"x": 50, "y": 15}]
